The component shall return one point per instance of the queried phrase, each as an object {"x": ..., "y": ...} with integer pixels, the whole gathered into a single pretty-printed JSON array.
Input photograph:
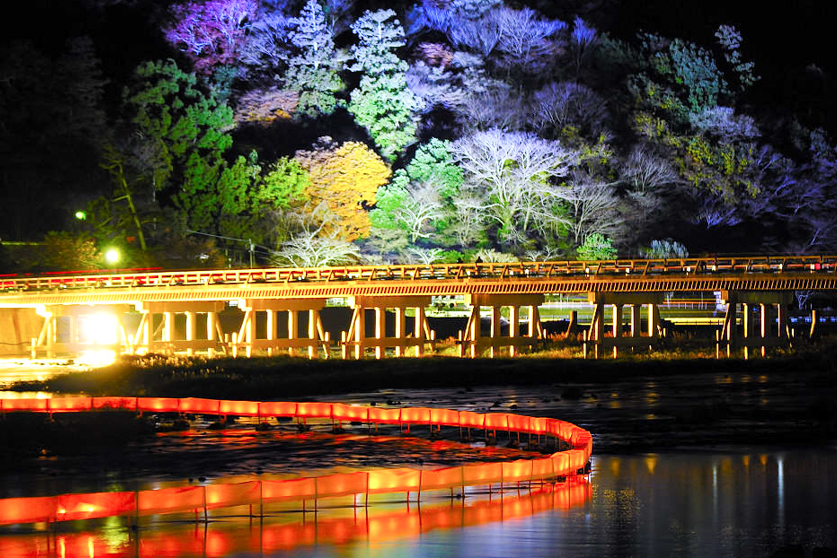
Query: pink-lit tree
[{"x": 210, "y": 32}]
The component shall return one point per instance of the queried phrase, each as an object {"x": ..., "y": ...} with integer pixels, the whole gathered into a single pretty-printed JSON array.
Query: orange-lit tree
[{"x": 346, "y": 178}]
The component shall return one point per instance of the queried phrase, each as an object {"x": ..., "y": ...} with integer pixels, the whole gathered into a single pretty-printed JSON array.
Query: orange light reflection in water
[{"x": 282, "y": 531}]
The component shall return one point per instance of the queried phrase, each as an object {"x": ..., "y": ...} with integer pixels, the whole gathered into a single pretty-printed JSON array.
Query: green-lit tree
[
  {"x": 383, "y": 104},
  {"x": 313, "y": 71},
  {"x": 284, "y": 184},
  {"x": 419, "y": 200},
  {"x": 185, "y": 133},
  {"x": 175, "y": 118},
  {"x": 596, "y": 247}
]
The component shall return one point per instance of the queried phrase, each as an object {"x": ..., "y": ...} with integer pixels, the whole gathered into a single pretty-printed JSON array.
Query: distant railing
[
  {"x": 771, "y": 264},
  {"x": 67, "y": 507}
]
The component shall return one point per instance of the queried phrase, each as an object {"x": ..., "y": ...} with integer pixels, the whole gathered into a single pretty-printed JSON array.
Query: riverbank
[
  {"x": 642, "y": 403},
  {"x": 277, "y": 378}
]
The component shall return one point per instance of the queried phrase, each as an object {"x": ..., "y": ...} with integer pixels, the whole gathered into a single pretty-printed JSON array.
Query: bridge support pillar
[
  {"x": 165, "y": 339},
  {"x": 754, "y": 337},
  {"x": 212, "y": 332},
  {"x": 315, "y": 339},
  {"x": 595, "y": 341},
  {"x": 471, "y": 341},
  {"x": 356, "y": 338}
]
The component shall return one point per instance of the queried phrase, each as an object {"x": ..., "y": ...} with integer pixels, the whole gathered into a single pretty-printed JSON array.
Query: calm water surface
[
  {"x": 706, "y": 491},
  {"x": 731, "y": 503},
  {"x": 694, "y": 503}
]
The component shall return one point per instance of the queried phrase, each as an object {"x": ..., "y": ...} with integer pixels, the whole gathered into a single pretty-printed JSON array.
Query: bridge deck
[{"x": 757, "y": 273}]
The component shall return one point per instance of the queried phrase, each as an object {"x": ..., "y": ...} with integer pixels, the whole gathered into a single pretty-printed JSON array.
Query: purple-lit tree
[
  {"x": 210, "y": 32},
  {"x": 527, "y": 43},
  {"x": 582, "y": 40},
  {"x": 266, "y": 46},
  {"x": 559, "y": 105}
]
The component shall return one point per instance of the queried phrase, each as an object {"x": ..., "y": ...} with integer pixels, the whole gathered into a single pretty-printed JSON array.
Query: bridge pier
[
  {"x": 356, "y": 340},
  {"x": 314, "y": 339},
  {"x": 594, "y": 337},
  {"x": 163, "y": 338},
  {"x": 754, "y": 335},
  {"x": 471, "y": 341}
]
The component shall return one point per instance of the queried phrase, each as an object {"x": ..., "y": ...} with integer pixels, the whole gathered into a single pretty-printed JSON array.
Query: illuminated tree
[
  {"x": 582, "y": 40},
  {"x": 407, "y": 206},
  {"x": 284, "y": 184},
  {"x": 559, "y": 105},
  {"x": 419, "y": 200},
  {"x": 593, "y": 208},
  {"x": 680, "y": 77},
  {"x": 265, "y": 106},
  {"x": 68, "y": 251},
  {"x": 596, "y": 247},
  {"x": 470, "y": 219},
  {"x": 345, "y": 178},
  {"x": 663, "y": 249},
  {"x": 266, "y": 46},
  {"x": 526, "y": 42},
  {"x": 383, "y": 104},
  {"x": 647, "y": 172},
  {"x": 175, "y": 118},
  {"x": 730, "y": 40},
  {"x": 313, "y": 72},
  {"x": 514, "y": 175},
  {"x": 722, "y": 124},
  {"x": 216, "y": 197},
  {"x": 496, "y": 106},
  {"x": 210, "y": 32},
  {"x": 186, "y": 134},
  {"x": 317, "y": 242}
]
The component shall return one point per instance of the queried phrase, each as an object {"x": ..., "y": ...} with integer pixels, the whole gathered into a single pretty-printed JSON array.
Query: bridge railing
[{"x": 773, "y": 264}]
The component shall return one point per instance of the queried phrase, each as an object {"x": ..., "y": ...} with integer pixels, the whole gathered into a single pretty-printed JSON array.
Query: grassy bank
[{"x": 271, "y": 378}]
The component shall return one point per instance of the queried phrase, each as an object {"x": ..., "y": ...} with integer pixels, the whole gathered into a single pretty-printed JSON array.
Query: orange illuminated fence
[
  {"x": 222, "y": 539},
  {"x": 197, "y": 498},
  {"x": 336, "y": 412}
]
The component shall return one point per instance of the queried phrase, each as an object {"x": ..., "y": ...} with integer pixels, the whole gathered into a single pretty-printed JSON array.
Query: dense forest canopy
[{"x": 316, "y": 132}]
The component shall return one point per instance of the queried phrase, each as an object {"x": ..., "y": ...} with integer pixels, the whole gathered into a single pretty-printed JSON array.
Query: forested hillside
[{"x": 282, "y": 132}]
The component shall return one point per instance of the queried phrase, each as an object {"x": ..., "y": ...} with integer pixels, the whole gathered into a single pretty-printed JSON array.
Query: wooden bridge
[{"x": 762, "y": 285}]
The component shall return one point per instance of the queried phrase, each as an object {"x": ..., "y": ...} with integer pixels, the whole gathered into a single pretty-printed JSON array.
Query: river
[{"x": 701, "y": 465}]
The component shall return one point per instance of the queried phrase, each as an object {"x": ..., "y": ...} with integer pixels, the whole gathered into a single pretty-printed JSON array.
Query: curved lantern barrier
[
  {"x": 176, "y": 539},
  {"x": 68, "y": 507}
]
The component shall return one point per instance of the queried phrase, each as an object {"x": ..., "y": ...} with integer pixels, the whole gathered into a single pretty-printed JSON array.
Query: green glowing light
[{"x": 81, "y": 215}]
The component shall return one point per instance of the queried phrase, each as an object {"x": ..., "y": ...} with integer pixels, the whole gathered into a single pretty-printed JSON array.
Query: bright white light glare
[
  {"x": 99, "y": 329},
  {"x": 97, "y": 358},
  {"x": 112, "y": 256}
]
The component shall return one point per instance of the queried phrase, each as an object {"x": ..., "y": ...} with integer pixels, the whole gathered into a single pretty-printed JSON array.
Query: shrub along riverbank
[{"x": 276, "y": 378}]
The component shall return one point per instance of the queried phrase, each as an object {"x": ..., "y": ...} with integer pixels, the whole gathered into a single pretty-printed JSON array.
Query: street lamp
[{"x": 112, "y": 256}]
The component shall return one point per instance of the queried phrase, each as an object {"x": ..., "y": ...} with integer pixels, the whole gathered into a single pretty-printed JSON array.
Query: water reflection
[
  {"x": 341, "y": 527},
  {"x": 736, "y": 503},
  {"x": 740, "y": 503}
]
